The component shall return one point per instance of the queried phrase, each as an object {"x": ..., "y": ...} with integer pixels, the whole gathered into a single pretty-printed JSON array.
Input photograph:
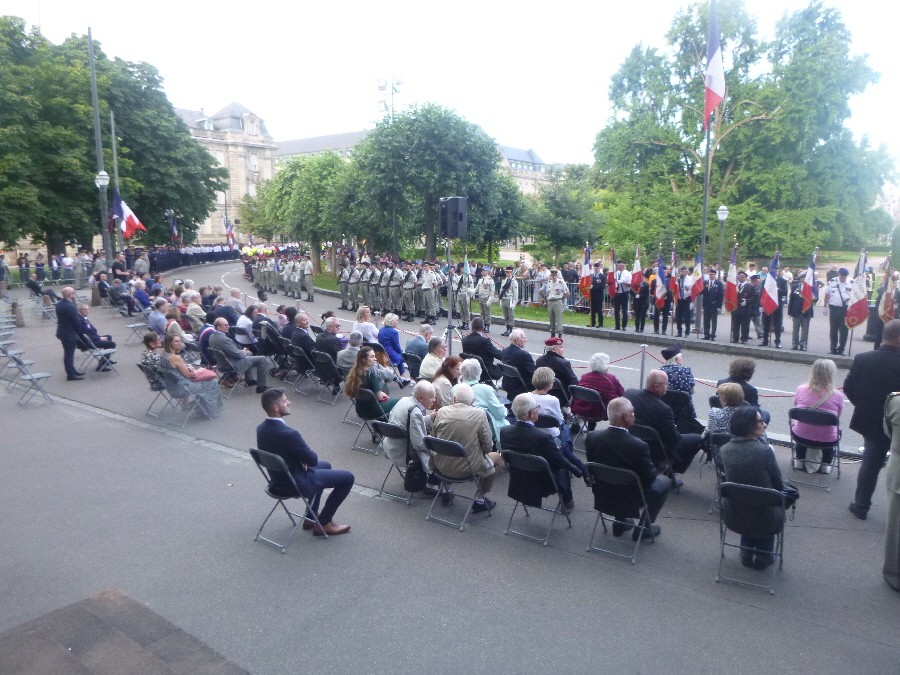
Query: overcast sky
[{"x": 532, "y": 75}]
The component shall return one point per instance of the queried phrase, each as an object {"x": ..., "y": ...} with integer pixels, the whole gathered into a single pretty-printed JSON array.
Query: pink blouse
[{"x": 805, "y": 398}]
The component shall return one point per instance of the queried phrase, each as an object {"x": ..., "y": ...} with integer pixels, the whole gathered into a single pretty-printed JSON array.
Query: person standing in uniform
[
  {"x": 484, "y": 292},
  {"x": 509, "y": 296},
  {"x": 683, "y": 304},
  {"x": 557, "y": 292},
  {"x": 641, "y": 302},
  {"x": 622, "y": 292},
  {"x": 598, "y": 288},
  {"x": 837, "y": 297}
]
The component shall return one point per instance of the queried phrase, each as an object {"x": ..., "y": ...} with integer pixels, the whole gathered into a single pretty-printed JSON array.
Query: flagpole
[
  {"x": 98, "y": 145},
  {"x": 120, "y": 239}
]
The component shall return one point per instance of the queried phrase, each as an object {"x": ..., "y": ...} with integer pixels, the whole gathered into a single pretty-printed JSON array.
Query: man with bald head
[
  {"x": 615, "y": 446},
  {"x": 68, "y": 328},
  {"x": 652, "y": 411}
]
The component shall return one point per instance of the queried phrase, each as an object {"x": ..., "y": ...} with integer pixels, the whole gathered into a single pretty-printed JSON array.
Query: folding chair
[
  {"x": 33, "y": 380},
  {"x": 244, "y": 333},
  {"x": 368, "y": 410},
  {"x": 414, "y": 363},
  {"x": 138, "y": 329},
  {"x": 682, "y": 406},
  {"x": 304, "y": 368},
  {"x": 658, "y": 452},
  {"x": 178, "y": 397},
  {"x": 588, "y": 395},
  {"x": 158, "y": 385},
  {"x": 329, "y": 376},
  {"x": 714, "y": 401},
  {"x": 7, "y": 352},
  {"x": 453, "y": 450},
  {"x": 511, "y": 373},
  {"x": 44, "y": 310},
  {"x": 527, "y": 469},
  {"x": 485, "y": 373},
  {"x": 560, "y": 392},
  {"x": 740, "y": 501},
  {"x": 316, "y": 330},
  {"x": 397, "y": 433},
  {"x": 103, "y": 357},
  {"x": 225, "y": 367},
  {"x": 819, "y": 418},
  {"x": 716, "y": 441},
  {"x": 611, "y": 482},
  {"x": 267, "y": 463}
]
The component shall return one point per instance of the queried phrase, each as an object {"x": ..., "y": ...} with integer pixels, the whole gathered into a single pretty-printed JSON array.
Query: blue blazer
[
  {"x": 286, "y": 442},
  {"x": 68, "y": 321}
]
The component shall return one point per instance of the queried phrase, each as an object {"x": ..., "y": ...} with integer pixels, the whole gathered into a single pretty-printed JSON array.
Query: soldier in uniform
[
  {"x": 774, "y": 322},
  {"x": 374, "y": 294},
  {"x": 298, "y": 277},
  {"x": 557, "y": 292},
  {"x": 484, "y": 292},
  {"x": 408, "y": 288},
  {"x": 460, "y": 290},
  {"x": 308, "y": 279},
  {"x": 395, "y": 279},
  {"x": 598, "y": 288},
  {"x": 509, "y": 296},
  {"x": 344, "y": 284},
  {"x": 428, "y": 285},
  {"x": 365, "y": 277}
]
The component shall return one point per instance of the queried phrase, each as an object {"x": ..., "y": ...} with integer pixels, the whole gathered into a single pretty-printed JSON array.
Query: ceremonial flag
[
  {"x": 697, "y": 285},
  {"x": 886, "y": 304},
  {"x": 809, "y": 289},
  {"x": 731, "y": 290},
  {"x": 611, "y": 277},
  {"x": 128, "y": 222},
  {"x": 673, "y": 278},
  {"x": 858, "y": 306},
  {"x": 229, "y": 234},
  {"x": 173, "y": 225},
  {"x": 584, "y": 284},
  {"x": 768, "y": 299},
  {"x": 715, "y": 70},
  {"x": 661, "y": 283},
  {"x": 466, "y": 269},
  {"x": 637, "y": 274}
]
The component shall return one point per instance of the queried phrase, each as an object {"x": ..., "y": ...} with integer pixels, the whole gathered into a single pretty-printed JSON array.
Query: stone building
[{"x": 238, "y": 139}]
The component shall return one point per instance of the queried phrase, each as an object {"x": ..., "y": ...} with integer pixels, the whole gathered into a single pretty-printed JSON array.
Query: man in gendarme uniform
[
  {"x": 484, "y": 292},
  {"x": 557, "y": 292},
  {"x": 509, "y": 296}
]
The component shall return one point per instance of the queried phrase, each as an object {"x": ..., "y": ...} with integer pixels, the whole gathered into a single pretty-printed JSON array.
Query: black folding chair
[
  {"x": 387, "y": 430},
  {"x": 819, "y": 418},
  {"x": 738, "y": 501},
  {"x": 591, "y": 396},
  {"x": 659, "y": 453},
  {"x": 226, "y": 369},
  {"x": 485, "y": 373},
  {"x": 329, "y": 376},
  {"x": 453, "y": 450},
  {"x": 511, "y": 373},
  {"x": 717, "y": 439},
  {"x": 368, "y": 410},
  {"x": 414, "y": 363},
  {"x": 604, "y": 478},
  {"x": 304, "y": 368},
  {"x": 528, "y": 469},
  {"x": 268, "y": 463}
]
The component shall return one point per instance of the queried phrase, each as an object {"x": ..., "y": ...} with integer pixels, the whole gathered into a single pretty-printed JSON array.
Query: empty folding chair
[
  {"x": 454, "y": 450},
  {"x": 32, "y": 380},
  {"x": 414, "y": 363},
  {"x": 268, "y": 464},
  {"x": 304, "y": 368},
  {"x": 530, "y": 478}
]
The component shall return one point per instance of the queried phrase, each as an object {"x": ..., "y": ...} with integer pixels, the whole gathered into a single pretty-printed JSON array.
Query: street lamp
[
  {"x": 722, "y": 213},
  {"x": 101, "y": 180}
]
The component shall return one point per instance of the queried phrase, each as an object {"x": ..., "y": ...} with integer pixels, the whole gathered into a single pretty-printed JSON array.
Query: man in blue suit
[
  {"x": 311, "y": 475},
  {"x": 68, "y": 328},
  {"x": 518, "y": 357}
]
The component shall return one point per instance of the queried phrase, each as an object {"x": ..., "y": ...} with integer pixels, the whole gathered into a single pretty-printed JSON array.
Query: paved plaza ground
[{"x": 96, "y": 497}]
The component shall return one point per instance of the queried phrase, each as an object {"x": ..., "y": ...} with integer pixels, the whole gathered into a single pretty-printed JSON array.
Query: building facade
[{"x": 239, "y": 141}]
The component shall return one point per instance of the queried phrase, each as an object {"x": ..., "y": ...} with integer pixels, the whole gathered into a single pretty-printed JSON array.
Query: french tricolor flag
[
  {"x": 128, "y": 222},
  {"x": 809, "y": 289},
  {"x": 715, "y": 70},
  {"x": 731, "y": 289},
  {"x": 768, "y": 299}
]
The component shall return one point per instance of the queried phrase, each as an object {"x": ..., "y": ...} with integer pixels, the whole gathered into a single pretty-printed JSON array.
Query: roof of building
[
  {"x": 519, "y": 155},
  {"x": 340, "y": 143},
  {"x": 229, "y": 118}
]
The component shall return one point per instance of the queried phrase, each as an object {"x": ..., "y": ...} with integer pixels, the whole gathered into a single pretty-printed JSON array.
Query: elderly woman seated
[
  {"x": 389, "y": 338},
  {"x": 542, "y": 381},
  {"x": 437, "y": 350},
  {"x": 485, "y": 397},
  {"x": 731, "y": 397},
  {"x": 598, "y": 379},
  {"x": 365, "y": 325}
]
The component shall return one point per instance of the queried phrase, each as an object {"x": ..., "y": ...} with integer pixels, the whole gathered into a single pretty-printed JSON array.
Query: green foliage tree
[{"x": 781, "y": 157}]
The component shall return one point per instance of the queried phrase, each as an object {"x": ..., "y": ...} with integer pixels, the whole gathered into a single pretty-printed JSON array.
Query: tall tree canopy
[
  {"x": 782, "y": 159},
  {"x": 47, "y": 162}
]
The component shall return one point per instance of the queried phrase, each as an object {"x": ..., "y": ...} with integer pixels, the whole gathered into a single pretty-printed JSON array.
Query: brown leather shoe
[
  {"x": 308, "y": 524},
  {"x": 330, "y": 529}
]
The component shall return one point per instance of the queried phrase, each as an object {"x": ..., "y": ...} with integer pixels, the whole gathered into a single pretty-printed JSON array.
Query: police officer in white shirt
[
  {"x": 837, "y": 297},
  {"x": 620, "y": 299}
]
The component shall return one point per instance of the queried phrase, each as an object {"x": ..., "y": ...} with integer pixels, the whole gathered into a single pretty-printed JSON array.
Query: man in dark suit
[
  {"x": 652, "y": 411},
  {"x": 328, "y": 341},
  {"x": 301, "y": 337},
  {"x": 614, "y": 446},
  {"x": 872, "y": 377},
  {"x": 242, "y": 360},
  {"x": 311, "y": 475},
  {"x": 100, "y": 341},
  {"x": 479, "y": 344},
  {"x": 740, "y": 317},
  {"x": 35, "y": 287},
  {"x": 713, "y": 297},
  {"x": 68, "y": 328},
  {"x": 523, "y": 437},
  {"x": 518, "y": 357},
  {"x": 554, "y": 360},
  {"x": 221, "y": 310},
  {"x": 598, "y": 288}
]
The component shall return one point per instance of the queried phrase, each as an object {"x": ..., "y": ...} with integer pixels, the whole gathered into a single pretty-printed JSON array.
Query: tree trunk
[{"x": 315, "y": 251}]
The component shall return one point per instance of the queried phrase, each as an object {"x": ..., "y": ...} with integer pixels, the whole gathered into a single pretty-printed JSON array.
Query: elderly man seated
[
  {"x": 518, "y": 357},
  {"x": 346, "y": 358},
  {"x": 615, "y": 446},
  {"x": 242, "y": 360},
  {"x": 157, "y": 320},
  {"x": 420, "y": 344},
  {"x": 328, "y": 341},
  {"x": 100, "y": 341},
  {"x": 437, "y": 351},
  {"x": 523, "y": 437},
  {"x": 468, "y": 426},
  {"x": 652, "y": 411},
  {"x": 414, "y": 413}
]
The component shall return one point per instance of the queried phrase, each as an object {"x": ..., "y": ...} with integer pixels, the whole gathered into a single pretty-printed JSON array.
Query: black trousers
[
  {"x": 664, "y": 315},
  {"x": 597, "y": 309},
  {"x": 838, "y": 329},
  {"x": 773, "y": 322},
  {"x": 620, "y": 309},
  {"x": 640, "y": 308},
  {"x": 683, "y": 317},
  {"x": 710, "y": 321}
]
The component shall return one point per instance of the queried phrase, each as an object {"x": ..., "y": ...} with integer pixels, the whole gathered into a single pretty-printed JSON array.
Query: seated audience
[
  {"x": 367, "y": 374},
  {"x": 389, "y": 338},
  {"x": 518, "y": 357},
  {"x": 600, "y": 380},
  {"x": 446, "y": 377},
  {"x": 418, "y": 344},
  {"x": 485, "y": 397},
  {"x": 437, "y": 350},
  {"x": 731, "y": 397},
  {"x": 740, "y": 371},
  {"x": 819, "y": 394},
  {"x": 191, "y": 383}
]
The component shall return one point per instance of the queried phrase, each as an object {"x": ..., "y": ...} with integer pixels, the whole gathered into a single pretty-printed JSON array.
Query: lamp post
[
  {"x": 722, "y": 213},
  {"x": 101, "y": 180}
]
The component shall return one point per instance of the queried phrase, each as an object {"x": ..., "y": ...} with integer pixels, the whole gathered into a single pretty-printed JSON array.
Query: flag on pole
[
  {"x": 611, "y": 277},
  {"x": 128, "y": 222},
  {"x": 466, "y": 269},
  {"x": 229, "y": 234},
  {"x": 697, "y": 285},
  {"x": 731, "y": 289},
  {"x": 886, "y": 304},
  {"x": 673, "y": 278},
  {"x": 584, "y": 283},
  {"x": 173, "y": 226},
  {"x": 661, "y": 283},
  {"x": 637, "y": 274},
  {"x": 858, "y": 306},
  {"x": 809, "y": 289},
  {"x": 768, "y": 299},
  {"x": 715, "y": 70}
]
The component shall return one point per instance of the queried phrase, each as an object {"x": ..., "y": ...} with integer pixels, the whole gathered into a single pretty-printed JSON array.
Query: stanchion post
[{"x": 643, "y": 359}]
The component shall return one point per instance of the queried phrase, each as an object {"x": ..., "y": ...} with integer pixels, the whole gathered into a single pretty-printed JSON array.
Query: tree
[
  {"x": 410, "y": 161},
  {"x": 780, "y": 152}
]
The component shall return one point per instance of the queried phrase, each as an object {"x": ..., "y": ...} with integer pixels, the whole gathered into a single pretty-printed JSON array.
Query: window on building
[
  {"x": 251, "y": 189},
  {"x": 220, "y": 197}
]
